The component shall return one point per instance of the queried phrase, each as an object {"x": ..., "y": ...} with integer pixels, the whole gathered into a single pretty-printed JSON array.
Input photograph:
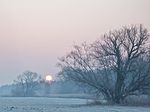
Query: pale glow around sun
[{"x": 49, "y": 78}]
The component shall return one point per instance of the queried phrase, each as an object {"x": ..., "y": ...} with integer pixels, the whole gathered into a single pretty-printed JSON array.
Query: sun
[{"x": 49, "y": 78}]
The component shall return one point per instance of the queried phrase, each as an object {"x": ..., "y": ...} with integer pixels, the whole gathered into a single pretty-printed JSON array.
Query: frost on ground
[{"x": 59, "y": 105}]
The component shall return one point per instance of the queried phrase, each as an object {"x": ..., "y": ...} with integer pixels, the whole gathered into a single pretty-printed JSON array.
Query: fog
[{"x": 34, "y": 33}]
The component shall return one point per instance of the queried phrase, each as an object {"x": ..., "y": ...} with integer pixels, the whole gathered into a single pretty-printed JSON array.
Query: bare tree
[
  {"x": 26, "y": 84},
  {"x": 116, "y": 66}
]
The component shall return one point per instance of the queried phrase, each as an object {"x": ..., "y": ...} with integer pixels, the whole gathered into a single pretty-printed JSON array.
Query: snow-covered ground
[{"x": 8, "y": 104}]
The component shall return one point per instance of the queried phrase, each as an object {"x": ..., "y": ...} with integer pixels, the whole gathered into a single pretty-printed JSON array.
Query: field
[{"x": 12, "y": 104}]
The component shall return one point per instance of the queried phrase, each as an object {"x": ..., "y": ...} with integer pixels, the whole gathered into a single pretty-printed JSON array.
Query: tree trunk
[{"x": 118, "y": 88}]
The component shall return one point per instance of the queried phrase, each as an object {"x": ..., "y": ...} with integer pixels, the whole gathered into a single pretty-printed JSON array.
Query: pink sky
[{"x": 34, "y": 33}]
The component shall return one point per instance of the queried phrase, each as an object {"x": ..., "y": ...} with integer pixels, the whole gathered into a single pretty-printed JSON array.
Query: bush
[{"x": 140, "y": 100}]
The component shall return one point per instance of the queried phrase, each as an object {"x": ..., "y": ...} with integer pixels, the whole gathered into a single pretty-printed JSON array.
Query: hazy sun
[{"x": 49, "y": 78}]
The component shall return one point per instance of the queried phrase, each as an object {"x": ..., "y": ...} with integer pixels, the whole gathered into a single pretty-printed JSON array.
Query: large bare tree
[{"x": 116, "y": 66}]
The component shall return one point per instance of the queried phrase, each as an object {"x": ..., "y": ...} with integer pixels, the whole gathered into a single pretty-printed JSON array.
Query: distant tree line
[
  {"x": 115, "y": 66},
  {"x": 30, "y": 84}
]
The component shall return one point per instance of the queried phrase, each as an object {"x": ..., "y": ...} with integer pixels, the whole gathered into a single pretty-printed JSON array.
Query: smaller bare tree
[{"x": 26, "y": 84}]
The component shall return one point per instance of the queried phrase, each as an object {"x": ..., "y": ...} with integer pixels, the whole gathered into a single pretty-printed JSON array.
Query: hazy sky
[{"x": 34, "y": 33}]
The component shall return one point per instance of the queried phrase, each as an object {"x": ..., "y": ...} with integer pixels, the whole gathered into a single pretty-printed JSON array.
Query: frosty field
[{"x": 12, "y": 104}]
